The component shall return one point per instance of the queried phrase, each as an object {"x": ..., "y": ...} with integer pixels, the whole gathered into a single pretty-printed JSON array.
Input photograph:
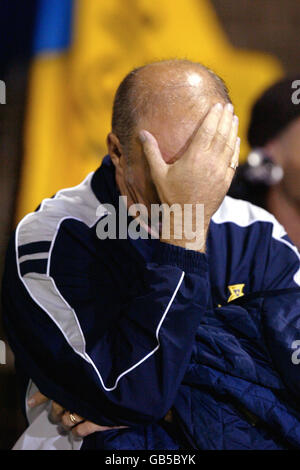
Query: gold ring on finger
[{"x": 73, "y": 418}]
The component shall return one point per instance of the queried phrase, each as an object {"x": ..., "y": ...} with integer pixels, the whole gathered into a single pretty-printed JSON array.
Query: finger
[
  {"x": 206, "y": 132},
  {"x": 67, "y": 422},
  {"x": 152, "y": 152},
  {"x": 235, "y": 161},
  {"x": 56, "y": 413},
  {"x": 86, "y": 428},
  {"x": 231, "y": 142},
  {"x": 36, "y": 400},
  {"x": 222, "y": 134},
  {"x": 236, "y": 155}
]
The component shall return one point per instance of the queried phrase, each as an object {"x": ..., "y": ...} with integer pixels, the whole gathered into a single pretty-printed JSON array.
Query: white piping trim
[
  {"x": 34, "y": 256},
  {"x": 149, "y": 354}
]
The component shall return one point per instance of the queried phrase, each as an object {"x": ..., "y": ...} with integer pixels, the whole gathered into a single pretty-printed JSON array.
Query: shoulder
[
  {"x": 245, "y": 215},
  {"x": 256, "y": 237},
  {"x": 37, "y": 232}
]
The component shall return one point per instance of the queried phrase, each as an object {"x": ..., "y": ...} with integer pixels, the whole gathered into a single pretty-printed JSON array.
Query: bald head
[{"x": 175, "y": 93}]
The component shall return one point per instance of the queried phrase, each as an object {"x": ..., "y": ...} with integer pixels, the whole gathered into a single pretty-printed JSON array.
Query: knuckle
[
  {"x": 65, "y": 420},
  {"x": 78, "y": 431},
  {"x": 221, "y": 136},
  {"x": 230, "y": 148},
  {"x": 147, "y": 146},
  {"x": 208, "y": 131}
]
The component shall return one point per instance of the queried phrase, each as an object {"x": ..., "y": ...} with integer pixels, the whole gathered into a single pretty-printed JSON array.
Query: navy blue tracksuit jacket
[{"x": 120, "y": 331}]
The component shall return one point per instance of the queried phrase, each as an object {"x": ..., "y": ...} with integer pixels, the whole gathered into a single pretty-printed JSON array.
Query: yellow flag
[{"x": 71, "y": 90}]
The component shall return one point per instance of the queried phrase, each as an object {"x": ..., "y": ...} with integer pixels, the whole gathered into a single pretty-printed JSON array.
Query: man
[
  {"x": 270, "y": 177},
  {"x": 184, "y": 343}
]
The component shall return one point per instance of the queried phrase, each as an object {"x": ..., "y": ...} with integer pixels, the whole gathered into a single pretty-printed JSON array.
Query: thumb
[{"x": 152, "y": 152}]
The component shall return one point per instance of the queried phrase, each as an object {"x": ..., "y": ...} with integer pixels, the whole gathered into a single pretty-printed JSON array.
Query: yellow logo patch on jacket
[{"x": 236, "y": 291}]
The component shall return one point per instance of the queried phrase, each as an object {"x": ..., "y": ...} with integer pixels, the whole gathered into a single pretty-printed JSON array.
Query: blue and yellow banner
[{"x": 83, "y": 49}]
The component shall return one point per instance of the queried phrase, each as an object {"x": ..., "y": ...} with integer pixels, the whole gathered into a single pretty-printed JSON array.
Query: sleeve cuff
[{"x": 187, "y": 260}]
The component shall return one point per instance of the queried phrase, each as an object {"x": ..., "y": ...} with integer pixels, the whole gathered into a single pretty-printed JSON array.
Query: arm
[{"x": 131, "y": 375}]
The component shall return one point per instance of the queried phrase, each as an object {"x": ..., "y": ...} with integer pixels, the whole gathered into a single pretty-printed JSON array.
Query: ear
[{"x": 114, "y": 149}]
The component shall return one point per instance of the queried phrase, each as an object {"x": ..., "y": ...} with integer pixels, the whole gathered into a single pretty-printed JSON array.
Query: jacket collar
[{"x": 104, "y": 183}]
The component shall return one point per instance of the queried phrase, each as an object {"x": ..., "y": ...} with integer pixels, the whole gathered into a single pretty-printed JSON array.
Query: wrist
[
  {"x": 189, "y": 233},
  {"x": 187, "y": 260},
  {"x": 194, "y": 245}
]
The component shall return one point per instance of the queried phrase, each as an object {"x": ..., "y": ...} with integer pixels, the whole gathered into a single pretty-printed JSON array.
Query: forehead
[
  {"x": 173, "y": 136},
  {"x": 172, "y": 104},
  {"x": 173, "y": 126}
]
